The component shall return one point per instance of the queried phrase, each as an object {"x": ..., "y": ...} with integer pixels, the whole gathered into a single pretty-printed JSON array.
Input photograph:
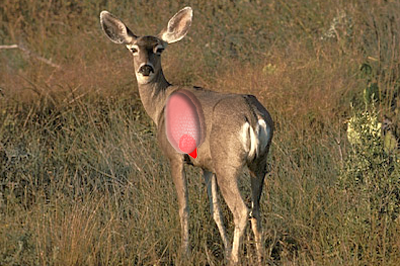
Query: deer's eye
[{"x": 159, "y": 50}]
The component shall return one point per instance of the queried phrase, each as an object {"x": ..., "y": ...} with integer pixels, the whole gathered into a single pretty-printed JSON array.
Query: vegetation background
[{"x": 82, "y": 181}]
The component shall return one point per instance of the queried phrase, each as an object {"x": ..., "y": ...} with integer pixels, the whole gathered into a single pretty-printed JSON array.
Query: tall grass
[{"x": 82, "y": 181}]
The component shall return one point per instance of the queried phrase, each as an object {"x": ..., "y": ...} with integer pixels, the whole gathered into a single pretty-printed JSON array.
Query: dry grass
[{"x": 82, "y": 181}]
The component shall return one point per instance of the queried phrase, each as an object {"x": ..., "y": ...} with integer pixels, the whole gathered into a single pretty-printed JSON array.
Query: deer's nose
[{"x": 145, "y": 70}]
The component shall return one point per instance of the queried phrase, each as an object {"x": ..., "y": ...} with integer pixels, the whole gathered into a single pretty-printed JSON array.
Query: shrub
[{"x": 372, "y": 167}]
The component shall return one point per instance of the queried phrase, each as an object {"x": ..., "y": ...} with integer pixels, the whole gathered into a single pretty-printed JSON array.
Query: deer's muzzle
[{"x": 146, "y": 70}]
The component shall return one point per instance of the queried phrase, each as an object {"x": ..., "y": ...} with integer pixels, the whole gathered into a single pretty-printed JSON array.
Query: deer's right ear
[{"x": 115, "y": 29}]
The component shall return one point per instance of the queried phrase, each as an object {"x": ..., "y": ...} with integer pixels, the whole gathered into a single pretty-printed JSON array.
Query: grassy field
[{"x": 82, "y": 181}]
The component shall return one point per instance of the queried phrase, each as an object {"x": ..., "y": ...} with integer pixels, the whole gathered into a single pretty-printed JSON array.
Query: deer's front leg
[{"x": 179, "y": 178}]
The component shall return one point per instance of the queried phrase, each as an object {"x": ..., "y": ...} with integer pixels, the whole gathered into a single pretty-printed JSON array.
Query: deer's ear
[
  {"x": 178, "y": 26},
  {"x": 115, "y": 29}
]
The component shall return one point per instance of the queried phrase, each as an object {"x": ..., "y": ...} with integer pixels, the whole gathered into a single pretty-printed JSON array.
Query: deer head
[{"x": 147, "y": 50}]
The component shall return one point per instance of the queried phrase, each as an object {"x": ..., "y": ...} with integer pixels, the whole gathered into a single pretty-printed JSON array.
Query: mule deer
[{"x": 238, "y": 132}]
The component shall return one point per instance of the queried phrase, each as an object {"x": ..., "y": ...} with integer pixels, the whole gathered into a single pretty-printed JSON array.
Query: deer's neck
[{"x": 153, "y": 96}]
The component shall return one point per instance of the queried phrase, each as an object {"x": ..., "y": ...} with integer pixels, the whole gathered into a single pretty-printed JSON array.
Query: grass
[{"x": 82, "y": 181}]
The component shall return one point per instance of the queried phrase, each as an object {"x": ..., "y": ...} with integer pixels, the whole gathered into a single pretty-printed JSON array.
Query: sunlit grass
[{"x": 82, "y": 181}]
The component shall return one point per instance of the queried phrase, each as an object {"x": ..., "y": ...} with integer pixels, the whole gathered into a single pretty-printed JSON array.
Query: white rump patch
[
  {"x": 255, "y": 141},
  {"x": 244, "y": 136},
  {"x": 249, "y": 140},
  {"x": 263, "y": 134}
]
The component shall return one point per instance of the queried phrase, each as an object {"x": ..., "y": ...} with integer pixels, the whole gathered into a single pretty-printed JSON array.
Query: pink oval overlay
[{"x": 182, "y": 123}]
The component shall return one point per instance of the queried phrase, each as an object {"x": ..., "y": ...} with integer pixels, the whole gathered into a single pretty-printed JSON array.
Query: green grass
[{"x": 82, "y": 181}]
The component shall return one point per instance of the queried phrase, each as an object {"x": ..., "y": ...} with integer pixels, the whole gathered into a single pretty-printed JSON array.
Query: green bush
[{"x": 372, "y": 167}]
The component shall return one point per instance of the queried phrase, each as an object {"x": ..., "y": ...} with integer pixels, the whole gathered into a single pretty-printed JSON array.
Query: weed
[{"x": 82, "y": 181}]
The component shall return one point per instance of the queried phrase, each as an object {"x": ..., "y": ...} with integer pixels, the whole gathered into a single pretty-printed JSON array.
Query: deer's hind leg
[
  {"x": 227, "y": 178},
  {"x": 258, "y": 170}
]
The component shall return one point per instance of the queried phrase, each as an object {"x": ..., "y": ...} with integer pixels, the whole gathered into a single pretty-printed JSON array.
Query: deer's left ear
[{"x": 178, "y": 26}]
